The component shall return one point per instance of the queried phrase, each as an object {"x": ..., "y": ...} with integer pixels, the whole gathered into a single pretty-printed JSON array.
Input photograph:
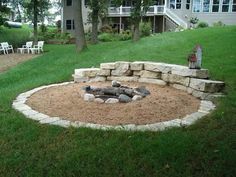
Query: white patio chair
[
  {"x": 7, "y": 47},
  {"x": 26, "y": 47},
  {"x": 2, "y": 50},
  {"x": 37, "y": 48}
]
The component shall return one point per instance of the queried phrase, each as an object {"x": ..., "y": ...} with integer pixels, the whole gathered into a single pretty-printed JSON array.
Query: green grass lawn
[{"x": 207, "y": 148}]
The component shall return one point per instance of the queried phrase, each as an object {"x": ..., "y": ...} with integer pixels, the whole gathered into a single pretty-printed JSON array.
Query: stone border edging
[{"x": 19, "y": 104}]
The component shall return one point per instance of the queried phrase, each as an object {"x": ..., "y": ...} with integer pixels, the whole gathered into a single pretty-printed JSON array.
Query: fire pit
[{"x": 114, "y": 93}]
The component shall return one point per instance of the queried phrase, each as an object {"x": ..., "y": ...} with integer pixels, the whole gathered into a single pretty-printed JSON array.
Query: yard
[{"x": 207, "y": 148}]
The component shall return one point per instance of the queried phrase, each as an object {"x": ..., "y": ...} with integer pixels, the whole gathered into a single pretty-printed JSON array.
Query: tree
[
  {"x": 4, "y": 10},
  {"x": 138, "y": 10},
  {"x": 79, "y": 27},
  {"x": 99, "y": 9}
]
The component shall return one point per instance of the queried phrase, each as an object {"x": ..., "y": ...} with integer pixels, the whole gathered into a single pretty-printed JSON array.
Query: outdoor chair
[
  {"x": 37, "y": 48},
  {"x": 7, "y": 47},
  {"x": 2, "y": 50},
  {"x": 26, "y": 47}
]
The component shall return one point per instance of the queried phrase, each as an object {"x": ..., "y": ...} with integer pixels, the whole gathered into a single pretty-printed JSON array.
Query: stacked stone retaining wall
[{"x": 193, "y": 81}]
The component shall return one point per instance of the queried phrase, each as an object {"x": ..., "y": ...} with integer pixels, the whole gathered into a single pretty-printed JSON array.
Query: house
[{"x": 164, "y": 15}]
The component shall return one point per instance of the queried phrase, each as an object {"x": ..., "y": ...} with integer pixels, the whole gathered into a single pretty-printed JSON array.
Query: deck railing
[{"x": 117, "y": 11}]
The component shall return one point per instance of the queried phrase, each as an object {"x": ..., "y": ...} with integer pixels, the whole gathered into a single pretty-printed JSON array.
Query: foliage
[
  {"x": 202, "y": 25},
  {"x": 15, "y": 36},
  {"x": 193, "y": 20},
  {"x": 106, "y": 29},
  {"x": 4, "y": 10},
  {"x": 219, "y": 23},
  {"x": 206, "y": 149},
  {"x": 107, "y": 37},
  {"x": 145, "y": 29}
]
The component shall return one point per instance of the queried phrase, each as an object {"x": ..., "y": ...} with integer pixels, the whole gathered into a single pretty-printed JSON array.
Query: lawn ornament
[{"x": 195, "y": 58}]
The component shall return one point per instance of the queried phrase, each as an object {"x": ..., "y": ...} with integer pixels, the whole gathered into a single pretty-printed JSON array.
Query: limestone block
[
  {"x": 150, "y": 74},
  {"x": 206, "y": 85},
  {"x": 104, "y": 72},
  {"x": 80, "y": 79},
  {"x": 122, "y": 69},
  {"x": 138, "y": 73},
  {"x": 152, "y": 81},
  {"x": 157, "y": 67},
  {"x": 179, "y": 87},
  {"x": 123, "y": 78},
  {"x": 108, "y": 65},
  {"x": 49, "y": 120},
  {"x": 178, "y": 79},
  {"x": 86, "y": 72},
  {"x": 185, "y": 71},
  {"x": 98, "y": 79},
  {"x": 137, "y": 66},
  {"x": 165, "y": 77},
  {"x": 62, "y": 123}
]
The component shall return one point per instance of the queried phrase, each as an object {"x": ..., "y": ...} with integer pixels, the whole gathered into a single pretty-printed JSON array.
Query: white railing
[
  {"x": 175, "y": 18},
  {"x": 127, "y": 10}
]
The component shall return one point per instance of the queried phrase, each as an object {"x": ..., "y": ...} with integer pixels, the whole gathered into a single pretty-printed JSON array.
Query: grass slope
[{"x": 207, "y": 148}]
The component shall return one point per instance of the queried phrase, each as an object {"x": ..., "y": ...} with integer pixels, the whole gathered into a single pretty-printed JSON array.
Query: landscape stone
[
  {"x": 173, "y": 78},
  {"x": 124, "y": 98},
  {"x": 185, "y": 71},
  {"x": 86, "y": 72},
  {"x": 150, "y": 74},
  {"x": 78, "y": 79},
  {"x": 137, "y": 97},
  {"x": 115, "y": 84},
  {"x": 206, "y": 85},
  {"x": 152, "y": 81},
  {"x": 108, "y": 66},
  {"x": 104, "y": 72},
  {"x": 142, "y": 91},
  {"x": 122, "y": 69},
  {"x": 98, "y": 100},
  {"x": 179, "y": 87},
  {"x": 98, "y": 79},
  {"x": 123, "y": 78},
  {"x": 49, "y": 120},
  {"x": 157, "y": 67},
  {"x": 112, "y": 100},
  {"x": 89, "y": 97},
  {"x": 137, "y": 66}
]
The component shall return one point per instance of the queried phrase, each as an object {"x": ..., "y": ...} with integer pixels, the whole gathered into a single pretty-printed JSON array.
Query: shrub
[
  {"x": 193, "y": 20},
  {"x": 106, "y": 29},
  {"x": 106, "y": 37},
  {"x": 202, "y": 25},
  {"x": 219, "y": 23},
  {"x": 145, "y": 29}
]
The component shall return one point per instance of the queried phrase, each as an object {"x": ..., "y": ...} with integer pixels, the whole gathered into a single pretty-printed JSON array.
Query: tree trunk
[
  {"x": 35, "y": 22},
  {"x": 136, "y": 33},
  {"x": 79, "y": 27},
  {"x": 95, "y": 27}
]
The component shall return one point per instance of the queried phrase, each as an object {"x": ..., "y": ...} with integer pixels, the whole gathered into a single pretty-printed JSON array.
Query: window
[
  {"x": 175, "y": 4},
  {"x": 215, "y": 5},
  {"x": 234, "y": 6},
  {"x": 68, "y": 2},
  {"x": 206, "y": 6},
  {"x": 196, "y": 5},
  {"x": 70, "y": 24},
  {"x": 187, "y": 4},
  {"x": 225, "y": 6}
]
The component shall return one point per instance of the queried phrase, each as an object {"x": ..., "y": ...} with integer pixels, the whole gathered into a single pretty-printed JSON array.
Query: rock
[
  {"x": 179, "y": 87},
  {"x": 137, "y": 97},
  {"x": 142, "y": 91},
  {"x": 206, "y": 85},
  {"x": 157, "y": 67},
  {"x": 79, "y": 79},
  {"x": 122, "y": 69},
  {"x": 165, "y": 77},
  {"x": 150, "y": 74},
  {"x": 104, "y": 72},
  {"x": 179, "y": 79},
  {"x": 115, "y": 84},
  {"x": 89, "y": 97},
  {"x": 108, "y": 66},
  {"x": 112, "y": 100},
  {"x": 124, "y": 98},
  {"x": 98, "y": 79},
  {"x": 86, "y": 72},
  {"x": 98, "y": 100},
  {"x": 152, "y": 81},
  {"x": 129, "y": 92},
  {"x": 138, "y": 73},
  {"x": 137, "y": 66},
  {"x": 123, "y": 78},
  {"x": 185, "y": 71}
]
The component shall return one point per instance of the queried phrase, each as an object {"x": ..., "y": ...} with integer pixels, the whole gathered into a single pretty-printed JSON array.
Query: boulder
[
  {"x": 157, "y": 67},
  {"x": 115, "y": 84},
  {"x": 137, "y": 97},
  {"x": 86, "y": 72},
  {"x": 173, "y": 78},
  {"x": 122, "y": 69},
  {"x": 98, "y": 100},
  {"x": 137, "y": 66},
  {"x": 89, "y": 97},
  {"x": 142, "y": 91},
  {"x": 185, "y": 71},
  {"x": 124, "y": 98},
  {"x": 112, "y": 100},
  {"x": 152, "y": 81}
]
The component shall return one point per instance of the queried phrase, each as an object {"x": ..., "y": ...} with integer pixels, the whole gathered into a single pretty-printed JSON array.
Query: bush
[
  {"x": 145, "y": 29},
  {"x": 106, "y": 29},
  {"x": 193, "y": 20},
  {"x": 202, "y": 25},
  {"x": 106, "y": 37},
  {"x": 125, "y": 35},
  {"x": 219, "y": 23}
]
